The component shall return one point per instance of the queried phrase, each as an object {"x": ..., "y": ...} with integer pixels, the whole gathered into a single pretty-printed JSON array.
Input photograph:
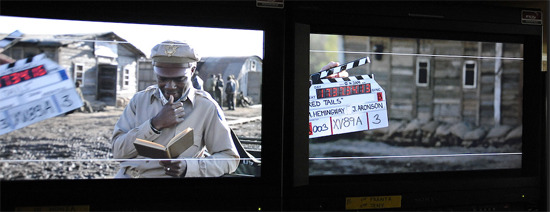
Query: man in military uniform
[
  {"x": 86, "y": 106},
  {"x": 219, "y": 90},
  {"x": 230, "y": 90},
  {"x": 210, "y": 86},
  {"x": 159, "y": 112}
]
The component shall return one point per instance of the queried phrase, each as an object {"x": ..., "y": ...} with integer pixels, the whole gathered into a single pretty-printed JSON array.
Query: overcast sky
[{"x": 209, "y": 41}]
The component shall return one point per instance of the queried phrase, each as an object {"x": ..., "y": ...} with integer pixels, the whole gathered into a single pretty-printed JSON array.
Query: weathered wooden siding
[
  {"x": 470, "y": 96},
  {"x": 355, "y": 45},
  {"x": 403, "y": 85},
  {"x": 487, "y": 82},
  {"x": 81, "y": 53},
  {"x": 19, "y": 51},
  {"x": 78, "y": 50},
  {"x": 381, "y": 66},
  {"x": 146, "y": 76},
  {"x": 445, "y": 98},
  {"x": 126, "y": 61},
  {"x": 425, "y": 95},
  {"x": 512, "y": 87}
]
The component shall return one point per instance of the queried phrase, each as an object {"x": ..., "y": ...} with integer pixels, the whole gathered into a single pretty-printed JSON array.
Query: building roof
[
  {"x": 9, "y": 40},
  {"x": 65, "y": 39}
]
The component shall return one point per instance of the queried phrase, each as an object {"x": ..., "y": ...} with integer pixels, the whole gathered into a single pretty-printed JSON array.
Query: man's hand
[
  {"x": 170, "y": 115},
  {"x": 174, "y": 168},
  {"x": 333, "y": 64}
]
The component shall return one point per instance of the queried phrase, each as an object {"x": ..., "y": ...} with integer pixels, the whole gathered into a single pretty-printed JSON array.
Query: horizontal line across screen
[
  {"x": 417, "y": 156},
  {"x": 421, "y": 55}
]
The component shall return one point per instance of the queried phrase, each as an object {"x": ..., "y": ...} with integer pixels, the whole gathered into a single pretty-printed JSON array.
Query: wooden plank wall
[
  {"x": 512, "y": 84},
  {"x": 444, "y": 99},
  {"x": 402, "y": 80}
]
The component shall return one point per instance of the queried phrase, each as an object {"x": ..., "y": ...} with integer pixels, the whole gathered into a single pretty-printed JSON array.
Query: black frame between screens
[
  {"x": 214, "y": 194},
  {"x": 422, "y": 190}
]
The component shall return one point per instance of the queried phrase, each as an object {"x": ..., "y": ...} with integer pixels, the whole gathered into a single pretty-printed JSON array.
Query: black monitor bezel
[
  {"x": 425, "y": 21},
  {"x": 155, "y": 194}
]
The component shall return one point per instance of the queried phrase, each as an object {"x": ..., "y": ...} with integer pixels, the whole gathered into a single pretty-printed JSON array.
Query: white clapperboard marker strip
[
  {"x": 20, "y": 64},
  {"x": 346, "y": 66},
  {"x": 343, "y": 79}
]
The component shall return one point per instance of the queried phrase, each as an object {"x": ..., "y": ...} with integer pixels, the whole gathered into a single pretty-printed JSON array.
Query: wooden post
[{"x": 498, "y": 82}]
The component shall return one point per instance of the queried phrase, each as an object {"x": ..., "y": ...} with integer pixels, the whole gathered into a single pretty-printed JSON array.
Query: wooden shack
[
  {"x": 105, "y": 63},
  {"x": 447, "y": 81}
]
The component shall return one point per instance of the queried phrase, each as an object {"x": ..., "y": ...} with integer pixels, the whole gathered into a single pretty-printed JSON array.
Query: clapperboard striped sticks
[
  {"x": 344, "y": 105},
  {"x": 351, "y": 78},
  {"x": 318, "y": 77}
]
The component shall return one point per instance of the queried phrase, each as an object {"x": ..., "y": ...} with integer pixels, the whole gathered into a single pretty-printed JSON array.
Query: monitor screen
[
  {"x": 61, "y": 124},
  {"x": 441, "y": 105}
]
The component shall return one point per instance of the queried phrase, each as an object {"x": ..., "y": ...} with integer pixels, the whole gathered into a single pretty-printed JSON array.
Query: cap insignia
[{"x": 170, "y": 50}]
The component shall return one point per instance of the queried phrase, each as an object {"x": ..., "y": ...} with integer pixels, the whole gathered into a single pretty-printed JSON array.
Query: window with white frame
[
  {"x": 78, "y": 72},
  {"x": 469, "y": 74},
  {"x": 422, "y": 72},
  {"x": 126, "y": 78}
]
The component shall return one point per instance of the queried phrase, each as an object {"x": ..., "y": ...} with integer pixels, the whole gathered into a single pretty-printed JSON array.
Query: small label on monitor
[
  {"x": 373, "y": 202},
  {"x": 270, "y": 3},
  {"x": 531, "y": 17}
]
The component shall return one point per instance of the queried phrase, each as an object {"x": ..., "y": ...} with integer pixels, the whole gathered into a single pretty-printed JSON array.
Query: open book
[{"x": 177, "y": 145}]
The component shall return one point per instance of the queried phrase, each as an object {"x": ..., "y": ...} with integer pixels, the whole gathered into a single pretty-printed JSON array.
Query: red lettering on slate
[
  {"x": 4, "y": 81},
  {"x": 367, "y": 89},
  {"x": 38, "y": 71},
  {"x": 24, "y": 75},
  {"x": 17, "y": 77}
]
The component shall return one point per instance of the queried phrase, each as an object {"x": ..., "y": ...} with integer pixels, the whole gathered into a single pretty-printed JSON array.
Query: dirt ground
[
  {"x": 348, "y": 156},
  {"x": 78, "y": 146}
]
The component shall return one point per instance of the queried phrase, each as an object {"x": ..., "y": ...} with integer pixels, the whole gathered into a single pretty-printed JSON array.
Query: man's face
[{"x": 173, "y": 80}]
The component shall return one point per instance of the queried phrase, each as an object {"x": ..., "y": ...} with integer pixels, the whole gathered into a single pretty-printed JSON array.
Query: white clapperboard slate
[
  {"x": 34, "y": 89},
  {"x": 344, "y": 105}
]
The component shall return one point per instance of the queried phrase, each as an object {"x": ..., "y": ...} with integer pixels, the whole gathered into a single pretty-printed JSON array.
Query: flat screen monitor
[
  {"x": 436, "y": 106},
  {"x": 107, "y": 47},
  {"x": 450, "y": 105},
  {"x": 105, "y": 64}
]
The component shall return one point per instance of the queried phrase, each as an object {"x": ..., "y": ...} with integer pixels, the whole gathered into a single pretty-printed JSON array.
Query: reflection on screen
[
  {"x": 451, "y": 105},
  {"x": 110, "y": 62}
]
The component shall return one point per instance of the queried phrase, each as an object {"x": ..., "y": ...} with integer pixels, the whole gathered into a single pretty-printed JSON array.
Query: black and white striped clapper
[
  {"x": 347, "y": 79},
  {"x": 317, "y": 77}
]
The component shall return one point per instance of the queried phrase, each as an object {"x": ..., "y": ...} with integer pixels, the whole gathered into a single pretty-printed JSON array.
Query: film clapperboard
[
  {"x": 32, "y": 90},
  {"x": 344, "y": 105}
]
